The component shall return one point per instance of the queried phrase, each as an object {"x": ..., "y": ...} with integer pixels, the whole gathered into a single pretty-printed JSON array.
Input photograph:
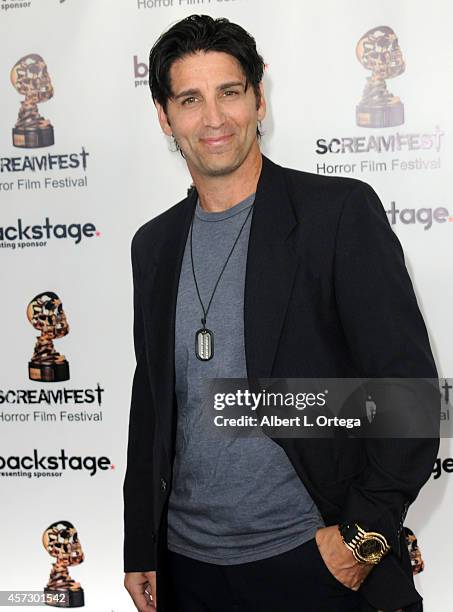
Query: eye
[
  {"x": 230, "y": 92},
  {"x": 188, "y": 101}
]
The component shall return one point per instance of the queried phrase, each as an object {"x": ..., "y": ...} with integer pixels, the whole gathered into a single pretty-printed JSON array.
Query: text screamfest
[
  {"x": 52, "y": 396},
  {"x": 44, "y": 162},
  {"x": 382, "y": 143}
]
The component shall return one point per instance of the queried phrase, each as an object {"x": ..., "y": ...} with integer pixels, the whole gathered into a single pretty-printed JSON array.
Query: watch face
[{"x": 370, "y": 547}]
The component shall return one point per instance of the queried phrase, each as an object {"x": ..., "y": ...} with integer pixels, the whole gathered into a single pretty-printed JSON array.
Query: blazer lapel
[
  {"x": 270, "y": 270},
  {"x": 160, "y": 293}
]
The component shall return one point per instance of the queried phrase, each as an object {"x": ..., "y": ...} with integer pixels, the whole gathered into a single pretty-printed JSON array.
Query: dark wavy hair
[{"x": 202, "y": 33}]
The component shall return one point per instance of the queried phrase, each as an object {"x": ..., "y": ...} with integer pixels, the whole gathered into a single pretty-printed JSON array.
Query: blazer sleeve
[
  {"x": 139, "y": 541},
  {"x": 387, "y": 338}
]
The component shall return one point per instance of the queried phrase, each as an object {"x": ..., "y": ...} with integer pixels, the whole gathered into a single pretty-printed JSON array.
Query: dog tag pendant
[{"x": 204, "y": 344}]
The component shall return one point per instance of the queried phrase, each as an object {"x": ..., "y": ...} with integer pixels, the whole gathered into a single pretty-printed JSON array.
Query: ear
[
  {"x": 163, "y": 120},
  {"x": 262, "y": 103}
]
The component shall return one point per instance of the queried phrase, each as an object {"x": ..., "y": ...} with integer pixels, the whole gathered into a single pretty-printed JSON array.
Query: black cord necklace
[{"x": 204, "y": 337}]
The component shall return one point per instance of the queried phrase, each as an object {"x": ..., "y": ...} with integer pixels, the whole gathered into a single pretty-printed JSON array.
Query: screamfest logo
[
  {"x": 45, "y": 312},
  {"x": 378, "y": 51},
  {"x": 23, "y": 236},
  {"x": 30, "y": 77},
  {"x": 47, "y": 163},
  {"x": 37, "y": 465},
  {"x": 49, "y": 405},
  {"x": 392, "y": 143}
]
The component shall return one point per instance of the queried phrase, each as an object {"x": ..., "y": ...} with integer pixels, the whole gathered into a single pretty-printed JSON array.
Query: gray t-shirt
[{"x": 233, "y": 499}]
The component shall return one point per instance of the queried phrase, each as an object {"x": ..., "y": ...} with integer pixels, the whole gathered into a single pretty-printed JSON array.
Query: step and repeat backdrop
[{"x": 354, "y": 88}]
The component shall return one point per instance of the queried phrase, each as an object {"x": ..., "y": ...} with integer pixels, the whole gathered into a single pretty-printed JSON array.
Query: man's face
[{"x": 210, "y": 114}]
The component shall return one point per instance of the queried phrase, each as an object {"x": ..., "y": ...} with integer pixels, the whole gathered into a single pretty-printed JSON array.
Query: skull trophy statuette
[
  {"x": 45, "y": 312},
  {"x": 31, "y": 79},
  {"x": 61, "y": 541},
  {"x": 378, "y": 51}
]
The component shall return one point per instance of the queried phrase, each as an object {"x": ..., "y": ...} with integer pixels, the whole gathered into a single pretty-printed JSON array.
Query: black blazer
[{"x": 327, "y": 294}]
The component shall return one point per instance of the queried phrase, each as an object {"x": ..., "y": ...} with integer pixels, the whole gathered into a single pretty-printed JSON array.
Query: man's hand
[
  {"x": 339, "y": 559},
  {"x": 142, "y": 588}
]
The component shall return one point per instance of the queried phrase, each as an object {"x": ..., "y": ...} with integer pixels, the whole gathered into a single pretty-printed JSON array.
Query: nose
[{"x": 213, "y": 114}]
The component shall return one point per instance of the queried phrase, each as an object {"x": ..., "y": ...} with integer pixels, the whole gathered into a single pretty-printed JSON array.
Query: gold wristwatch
[{"x": 366, "y": 546}]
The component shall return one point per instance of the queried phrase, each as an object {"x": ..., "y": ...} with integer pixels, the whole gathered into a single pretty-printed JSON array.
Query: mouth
[{"x": 216, "y": 141}]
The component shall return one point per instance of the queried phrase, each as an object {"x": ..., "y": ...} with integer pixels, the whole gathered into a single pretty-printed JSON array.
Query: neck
[{"x": 218, "y": 193}]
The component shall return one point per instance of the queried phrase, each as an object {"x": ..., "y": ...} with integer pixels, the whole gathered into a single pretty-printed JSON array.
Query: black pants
[{"x": 294, "y": 581}]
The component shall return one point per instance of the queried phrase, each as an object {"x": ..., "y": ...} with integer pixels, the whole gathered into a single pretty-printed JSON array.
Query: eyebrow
[{"x": 192, "y": 92}]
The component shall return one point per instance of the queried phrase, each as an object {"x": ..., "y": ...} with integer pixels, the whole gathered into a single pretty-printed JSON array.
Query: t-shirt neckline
[{"x": 204, "y": 215}]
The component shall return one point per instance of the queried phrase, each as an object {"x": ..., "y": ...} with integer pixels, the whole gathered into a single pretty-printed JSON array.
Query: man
[{"x": 312, "y": 284}]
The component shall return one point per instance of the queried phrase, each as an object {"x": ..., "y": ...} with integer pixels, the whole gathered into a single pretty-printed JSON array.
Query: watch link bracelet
[{"x": 366, "y": 546}]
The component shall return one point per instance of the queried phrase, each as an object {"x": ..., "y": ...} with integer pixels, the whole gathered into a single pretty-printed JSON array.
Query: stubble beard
[{"x": 224, "y": 170}]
